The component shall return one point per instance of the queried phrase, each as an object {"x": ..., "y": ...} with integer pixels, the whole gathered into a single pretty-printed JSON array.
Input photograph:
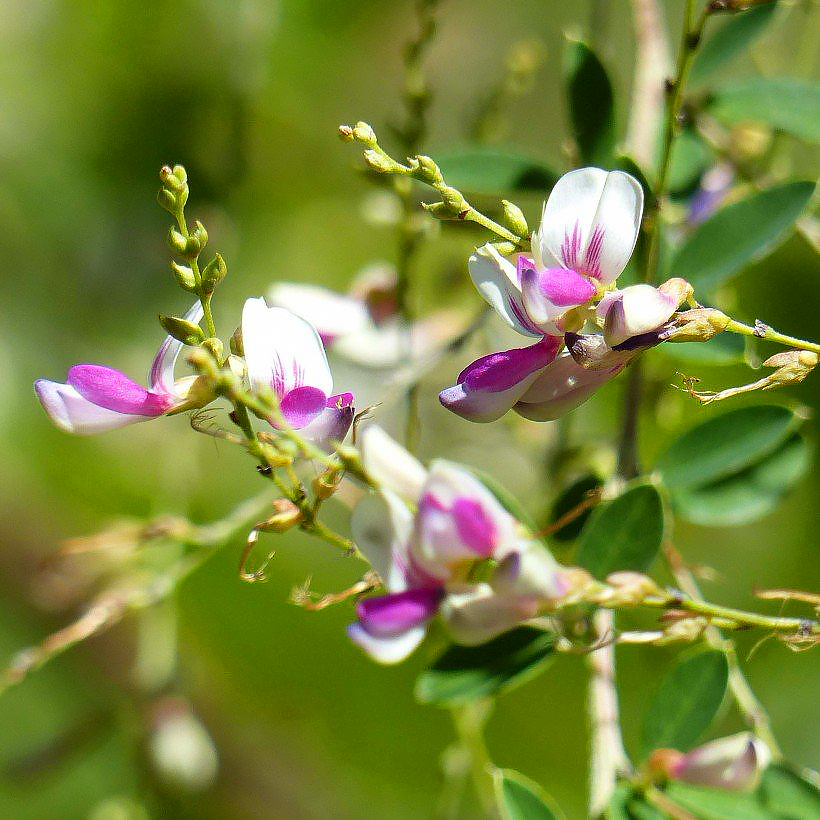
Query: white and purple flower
[
  {"x": 422, "y": 533},
  {"x": 588, "y": 230},
  {"x": 284, "y": 353},
  {"x": 95, "y": 399}
]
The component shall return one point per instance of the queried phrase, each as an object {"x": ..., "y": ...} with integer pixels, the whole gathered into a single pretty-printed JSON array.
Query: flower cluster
[
  {"x": 425, "y": 533},
  {"x": 589, "y": 227}
]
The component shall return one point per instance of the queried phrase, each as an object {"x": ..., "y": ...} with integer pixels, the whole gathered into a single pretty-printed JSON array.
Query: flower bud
[
  {"x": 454, "y": 199},
  {"x": 182, "y": 330},
  {"x": 631, "y": 588},
  {"x": 514, "y": 219},
  {"x": 636, "y": 311},
  {"x": 213, "y": 274},
  {"x": 235, "y": 343},
  {"x": 200, "y": 234},
  {"x": 792, "y": 366},
  {"x": 364, "y": 133},
  {"x": 214, "y": 345},
  {"x": 286, "y": 516},
  {"x": 196, "y": 392},
  {"x": 532, "y": 573},
  {"x": 167, "y": 200},
  {"x": 184, "y": 276},
  {"x": 677, "y": 289},
  {"x": 327, "y": 483},
  {"x": 186, "y": 248},
  {"x": 172, "y": 181},
  {"x": 377, "y": 161},
  {"x": 698, "y": 325},
  {"x": 181, "y": 174},
  {"x": 346, "y": 133},
  {"x": 427, "y": 170}
]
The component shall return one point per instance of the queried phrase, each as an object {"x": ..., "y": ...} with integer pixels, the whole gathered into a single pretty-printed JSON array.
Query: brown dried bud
[
  {"x": 286, "y": 516},
  {"x": 698, "y": 325}
]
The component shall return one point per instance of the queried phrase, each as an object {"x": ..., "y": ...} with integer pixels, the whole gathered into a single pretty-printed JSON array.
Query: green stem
[
  {"x": 469, "y": 721},
  {"x": 762, "y": 331},
  {"x": 204, "y": 300},
  {"x": 690, "y": 39},
  {"x": 738, "y": 617}
]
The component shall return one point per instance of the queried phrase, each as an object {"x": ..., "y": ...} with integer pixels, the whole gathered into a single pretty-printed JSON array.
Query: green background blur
[{"x": 94, "y": 98}]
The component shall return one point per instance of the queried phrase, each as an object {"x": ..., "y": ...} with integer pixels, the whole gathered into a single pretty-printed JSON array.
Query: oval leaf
[
  {"x": 740, "y": 234},
  {"x": 749, "y": 494},
  {"x": 480, "y": 171},
  {"x": 786, "y": 793},
  {"x": 783, "y": 103},
  {"x": 686, "y": 702},
  {"x": 728, "y": 41},
  {"x": 725, "y": 445},
  {"x": 591, "y": 105},
  {"x": 519, "y": 798},
  {"x": 465, "y": 673},
  {"x": 625, "y": 534}
]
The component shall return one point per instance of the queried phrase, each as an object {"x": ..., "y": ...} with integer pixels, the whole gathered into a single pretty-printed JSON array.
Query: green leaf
[
  {"x": 686, "y": 702},
  {"x": 726, "y": 349},
  {"x": 785, "y": 104},
  {"x": 465, "y": 673},
  {"x": 569, "y": 499},
  {"x": 625, "y": 534},
  {"x": 749, "y": 494},
  {"x": 520, "y": 798},
  {"x": 627, "y": 804},
  {"x": 591, "y": 104},
  {"x": 725, "y": 445},
  {"x": 739, "y": 234},
  {"x": 706, "y": 804},
  {"x": 486, "y": 171},
  {"x": 728, "y": 41},
  {"x": 789, "y": 795}
]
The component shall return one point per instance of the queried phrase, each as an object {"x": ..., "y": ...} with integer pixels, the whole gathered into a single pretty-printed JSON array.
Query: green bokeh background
[{"x": 96, "y": 96}]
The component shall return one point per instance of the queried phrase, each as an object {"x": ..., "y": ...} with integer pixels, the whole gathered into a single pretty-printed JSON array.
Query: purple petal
[
  {"x": 111, "y": 390},
  {"x": 392, "y": 615},
  {"x": 301, "y": 405},
  {"x": 72, "y": 413},
  {"x": 386, "y": 650},
  {"x": 562, "y": 387},
  {"x": 491, "y": 385},
  {"x": 730, "y": 764},
  {"x": 333, "y": 422},
  {"x": 550, "y": 293},
  {"x": 474, "y": 527}
]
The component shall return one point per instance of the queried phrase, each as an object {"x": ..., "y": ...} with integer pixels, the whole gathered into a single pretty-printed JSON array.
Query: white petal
[
  {"x": 372, "y": 346},
  {"x": 530, "y": 572},
  {"x": 161, "y": 375},
  {"x": 381, "y": 525},
  {"x": 282, "y": 351},
  {"x": 72, "y": 413},
  {"x": 636, "y": 310},
  {"x": 497, "y": 281},
  {"x": 387, "y": 650},
  {"x": 586, "y": 204},
  {"x": 730, "y": 764},
  {"x": 332, "y": 314},
  {"x": 475, "y": 614},
  {"x": 390, "y": 465}
]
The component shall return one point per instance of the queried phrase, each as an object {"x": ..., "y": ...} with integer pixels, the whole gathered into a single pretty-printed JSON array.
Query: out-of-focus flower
[
  {"x": 732, "y": 764},
  {"x": 422, "y": 533},
  {"x": 96, "y": 399},
  {"x": 284, "y": 353},
  {"x": 362, "y": 326},
  {"x": 714, "y": 188},
  {"x": 589, "y": 227}
]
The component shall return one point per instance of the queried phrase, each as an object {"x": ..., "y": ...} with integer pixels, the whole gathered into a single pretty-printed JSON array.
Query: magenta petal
[
  {"x": 112, "y": 390},
  {"x": 333, "y": 422},
  {"x": 393, "y": 614},
  {"x": 301, "y": 405},
  {"x": 491, "y": 385},
  {"x": 474, "y": 527}
]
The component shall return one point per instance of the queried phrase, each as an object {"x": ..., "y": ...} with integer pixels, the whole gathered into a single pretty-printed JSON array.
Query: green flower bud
[
  {"x": 167, "y": 200},
  {"x": 186, "y": 248},
  {"x": 184, "y": 276},
  {"x": 181, "y": 174},
  {"x": 427, "y": 170},
  {"x": 377, "y": 161},
  {"x": 200, "y": 234},
  {"x": 364, "y": 133},
  {"x": 170, "y": 180},
  {"x": 182, "y": 330},
  {"x": 514, "y": 219},
  {"x": 213, "y": 274},
  {"x": 236, "y": 345}
]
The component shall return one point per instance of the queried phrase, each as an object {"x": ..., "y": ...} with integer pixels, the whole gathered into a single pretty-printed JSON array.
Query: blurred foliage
[{"x": 248, "y": 95}]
